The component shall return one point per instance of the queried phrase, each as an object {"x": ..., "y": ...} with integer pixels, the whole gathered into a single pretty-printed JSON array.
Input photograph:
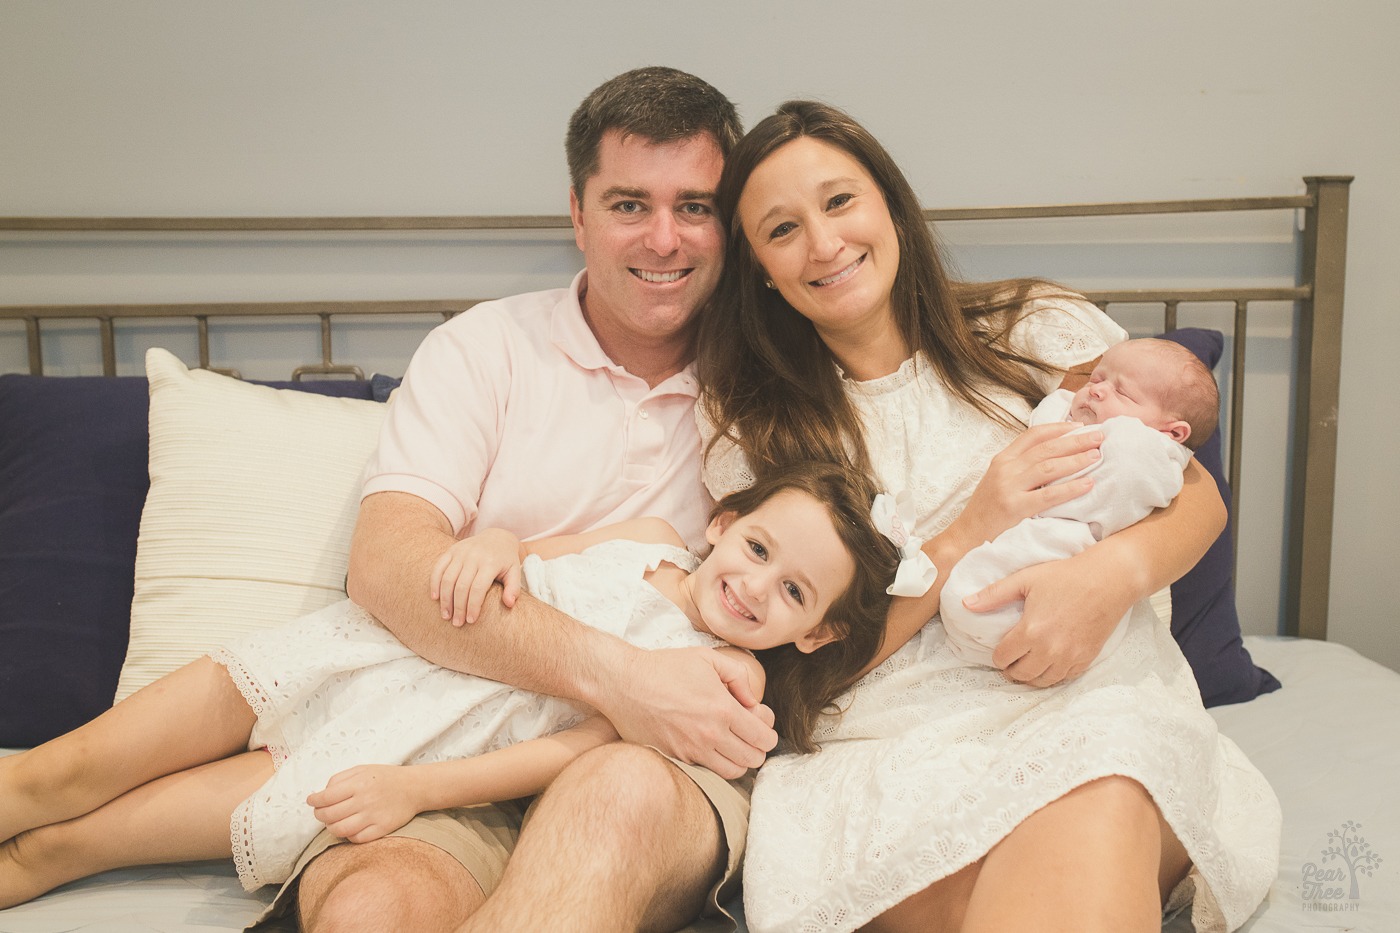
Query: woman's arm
[
  {"x": 1072, "y": 605},
  {"x": 364, "y": 803}
]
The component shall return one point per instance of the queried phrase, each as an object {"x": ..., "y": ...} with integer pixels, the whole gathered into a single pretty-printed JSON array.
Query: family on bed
[{"x": 764, "y": 319}]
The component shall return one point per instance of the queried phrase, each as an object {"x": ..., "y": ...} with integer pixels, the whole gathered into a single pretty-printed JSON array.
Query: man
[{"x": 553, "y": 413}]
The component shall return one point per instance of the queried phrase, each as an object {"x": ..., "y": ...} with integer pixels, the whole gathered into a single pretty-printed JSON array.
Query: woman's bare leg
[
  {"x": 1099, "y": 858},
  {"x": 179, "y": 817},
  {"x": 192, "y": 716},
  {"x": 1091, "y": 860}
]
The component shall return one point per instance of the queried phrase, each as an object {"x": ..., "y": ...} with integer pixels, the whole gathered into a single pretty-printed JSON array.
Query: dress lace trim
[{"x": 240, "y": 822}]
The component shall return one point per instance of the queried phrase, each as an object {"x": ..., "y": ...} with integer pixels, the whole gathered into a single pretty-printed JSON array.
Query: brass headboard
[{"x": 1321, "y": 274}]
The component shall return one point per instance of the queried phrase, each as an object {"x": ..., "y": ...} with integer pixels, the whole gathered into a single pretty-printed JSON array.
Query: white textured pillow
[
  {"x": 1162, "y": 605},
  {"x": 253, "y": 497}
]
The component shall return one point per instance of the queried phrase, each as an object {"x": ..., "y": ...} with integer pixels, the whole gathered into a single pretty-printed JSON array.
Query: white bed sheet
[{"x": 1328, "y": 741}]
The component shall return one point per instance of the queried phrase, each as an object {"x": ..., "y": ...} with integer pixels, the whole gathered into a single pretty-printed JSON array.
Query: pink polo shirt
[{"x": 511, "y": 416}]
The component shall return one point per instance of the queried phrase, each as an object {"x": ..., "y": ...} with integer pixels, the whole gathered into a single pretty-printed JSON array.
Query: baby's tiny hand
[{"x": 466, "y": 570}]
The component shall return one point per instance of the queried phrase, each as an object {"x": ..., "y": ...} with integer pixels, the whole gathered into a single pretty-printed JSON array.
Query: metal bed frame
[{"x": 1321, "y": 275}]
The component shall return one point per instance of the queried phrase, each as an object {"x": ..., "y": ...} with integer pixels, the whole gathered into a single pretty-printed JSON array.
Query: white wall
[{"x": 189, "y": 107}]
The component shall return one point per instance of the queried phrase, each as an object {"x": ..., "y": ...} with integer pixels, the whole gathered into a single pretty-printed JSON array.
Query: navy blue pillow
[
  {"x": 380, "y": 386},
  {"x": 73, "y": 481},
  {"x": 1204, "y": 620}
]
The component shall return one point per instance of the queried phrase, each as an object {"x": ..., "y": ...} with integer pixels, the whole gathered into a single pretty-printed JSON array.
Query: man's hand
[
  {"x": 695, "y": 704},
  {"x": 363, "y": 803}
]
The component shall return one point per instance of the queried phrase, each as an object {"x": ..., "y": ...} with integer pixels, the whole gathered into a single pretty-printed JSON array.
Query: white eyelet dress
[{"x": 935, "y": 760}]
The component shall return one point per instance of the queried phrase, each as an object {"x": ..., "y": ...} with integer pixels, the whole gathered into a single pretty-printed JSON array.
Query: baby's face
[{"x": 1129, "y": 380}]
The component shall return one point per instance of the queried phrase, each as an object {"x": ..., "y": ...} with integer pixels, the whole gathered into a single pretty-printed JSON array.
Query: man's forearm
[
  {"x": 692, "y": 703},
  {"x": 397, "y": 539}
]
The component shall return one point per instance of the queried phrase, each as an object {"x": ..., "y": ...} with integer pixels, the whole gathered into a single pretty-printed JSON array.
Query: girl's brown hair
[
  {"x": 802, "y": 686},
  {"x": 771, "y": 385}
]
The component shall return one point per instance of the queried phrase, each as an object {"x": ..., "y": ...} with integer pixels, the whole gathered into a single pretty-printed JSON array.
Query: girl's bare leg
[
  {"x": 180, "y": 817},
  {"x": 1098, "y": 858},
  {"x": 192, "y": 716}
]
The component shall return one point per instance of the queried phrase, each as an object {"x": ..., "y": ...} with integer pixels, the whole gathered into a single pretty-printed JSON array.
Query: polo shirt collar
[
  {"x": 570, "y": 333},
  {"x": 568, "y": 330}
]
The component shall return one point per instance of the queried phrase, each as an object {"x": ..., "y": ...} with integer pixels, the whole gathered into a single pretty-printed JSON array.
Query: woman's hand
[
  {"x": 1070, "y": 611},
  {"x": 363, "y": 803},
  {"x": 466, "y": 570},
  {"x": 1021, "y": 480}
]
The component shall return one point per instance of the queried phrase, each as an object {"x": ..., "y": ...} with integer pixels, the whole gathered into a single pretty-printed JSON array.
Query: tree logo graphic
[{"x": 1336, "y": 876}]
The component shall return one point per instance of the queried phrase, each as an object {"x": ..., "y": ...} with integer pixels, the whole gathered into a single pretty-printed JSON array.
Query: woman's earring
[{"x": 769, "y": 283}]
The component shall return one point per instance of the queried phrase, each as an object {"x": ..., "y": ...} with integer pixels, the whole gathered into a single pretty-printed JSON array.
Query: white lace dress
[
  {"x": 936, "y": 760},
  {"x": 336, "y": 689}
]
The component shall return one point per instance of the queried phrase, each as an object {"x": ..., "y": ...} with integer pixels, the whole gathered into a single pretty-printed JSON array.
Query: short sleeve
[
  {"x": 726, "y": 469},
  {"x": 1064, "y": 332},
  {"x": 440, "y": 432}
]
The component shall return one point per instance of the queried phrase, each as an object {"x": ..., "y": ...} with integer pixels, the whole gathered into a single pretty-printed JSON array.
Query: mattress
[{"x": 1328, "y": 743}]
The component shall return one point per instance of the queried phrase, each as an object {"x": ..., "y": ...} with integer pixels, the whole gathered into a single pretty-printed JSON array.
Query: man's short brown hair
[{"x": 656, "y": 103}]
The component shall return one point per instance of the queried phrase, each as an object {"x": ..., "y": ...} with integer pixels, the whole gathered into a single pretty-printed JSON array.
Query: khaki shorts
[{"x": 482, "y": 839}]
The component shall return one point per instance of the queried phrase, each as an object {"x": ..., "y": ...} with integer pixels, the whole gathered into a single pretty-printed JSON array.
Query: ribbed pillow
[{"x": 247, "y": 524}]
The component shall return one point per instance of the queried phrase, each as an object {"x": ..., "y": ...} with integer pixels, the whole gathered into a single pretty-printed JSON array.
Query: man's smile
[{"x": 661, "y": 278}]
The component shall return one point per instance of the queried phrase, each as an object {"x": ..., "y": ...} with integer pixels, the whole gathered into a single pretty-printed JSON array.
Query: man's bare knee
[
  {"x": 361, "y": 888},
  {"x": 629, "y": 790},
  {"x": 625, "y": 822}
]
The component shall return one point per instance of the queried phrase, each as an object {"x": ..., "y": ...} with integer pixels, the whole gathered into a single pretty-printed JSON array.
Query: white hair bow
[{"x": 894, "y": 517}]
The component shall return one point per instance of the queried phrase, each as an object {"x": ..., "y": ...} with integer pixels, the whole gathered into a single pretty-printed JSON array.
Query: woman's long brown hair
[{"x": 771, "y": 385}]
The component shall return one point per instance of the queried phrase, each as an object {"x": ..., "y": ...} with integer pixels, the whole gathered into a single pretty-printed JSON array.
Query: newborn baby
[{"x": 1155, "y": 402}]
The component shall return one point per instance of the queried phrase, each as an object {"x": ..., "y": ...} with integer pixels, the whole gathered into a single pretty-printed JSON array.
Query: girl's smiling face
[
  {"x": 819, "y": 226},
  {"x": 772, "y": 575}
]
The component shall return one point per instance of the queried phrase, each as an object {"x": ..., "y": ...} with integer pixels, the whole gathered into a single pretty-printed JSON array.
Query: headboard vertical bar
[
  {"x": 202, "y": 329},
  {"x": 109, "y": 347},
  {"x": 1169, "y": 316},
  {"x": 1315, "y": 415},
  {"x": 36, "y": 346},
  {"x": 1234, "y": 473}
]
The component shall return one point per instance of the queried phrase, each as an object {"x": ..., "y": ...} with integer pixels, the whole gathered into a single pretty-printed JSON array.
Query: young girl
[{"x": 797, "y": 575}]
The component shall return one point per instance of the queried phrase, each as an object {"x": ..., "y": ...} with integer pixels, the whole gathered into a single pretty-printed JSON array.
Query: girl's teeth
[{"x": 729, "y": 597}]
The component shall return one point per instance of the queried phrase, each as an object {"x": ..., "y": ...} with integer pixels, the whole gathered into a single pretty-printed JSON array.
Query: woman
[{"x": 948, "y": 796}]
